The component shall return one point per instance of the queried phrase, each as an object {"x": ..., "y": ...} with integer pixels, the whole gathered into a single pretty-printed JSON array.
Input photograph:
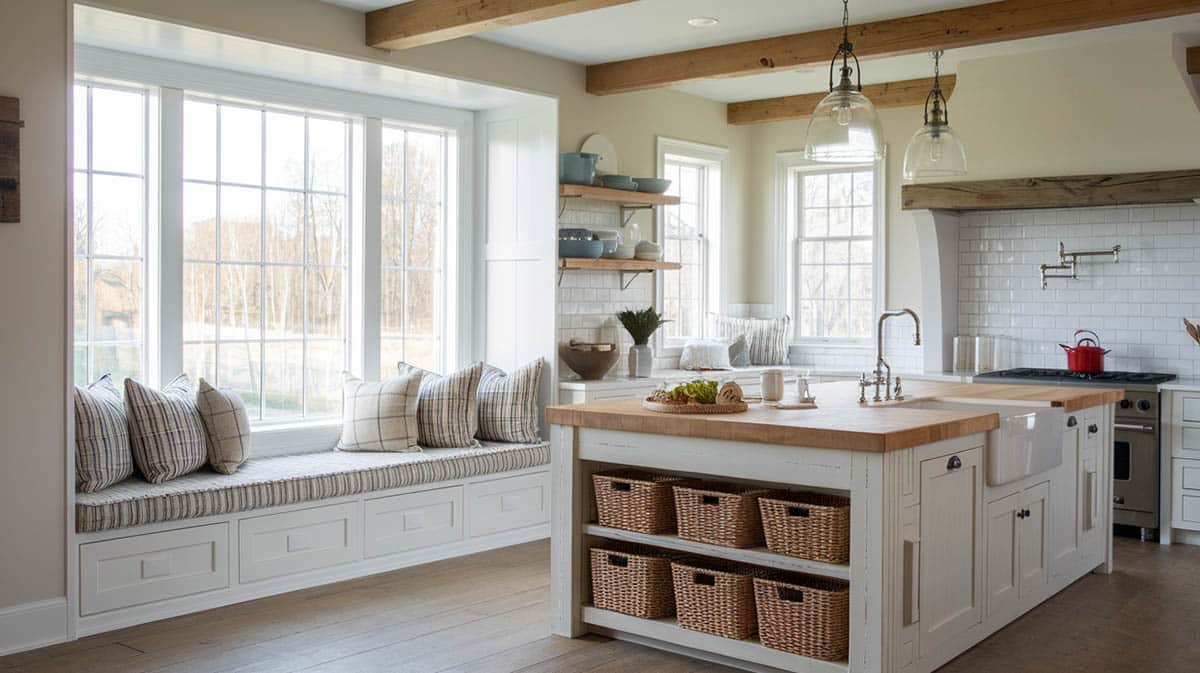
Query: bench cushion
[{"x": 284, "y": 480}]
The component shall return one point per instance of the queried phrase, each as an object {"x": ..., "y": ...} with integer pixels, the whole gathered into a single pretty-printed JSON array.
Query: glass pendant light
[
  {"x": 844, "y": 127},
  {"x": 935, "y": 150}
]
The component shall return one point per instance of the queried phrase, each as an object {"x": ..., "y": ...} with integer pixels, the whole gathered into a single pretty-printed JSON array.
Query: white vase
[{"x": 641, "y": 361}]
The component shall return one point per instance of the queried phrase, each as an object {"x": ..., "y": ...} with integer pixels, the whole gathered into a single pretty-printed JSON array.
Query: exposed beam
[
  {"x": 1193, "y": 60},
  {"x": 423, "y": 22},
  {"x": 1056, "y": 192},
  {"x": 950, "y": 29},
  {"x": 890, "y": 94}
]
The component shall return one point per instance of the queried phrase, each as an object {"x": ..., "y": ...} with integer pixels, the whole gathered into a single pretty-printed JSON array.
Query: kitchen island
[{"x": 947, "y": 542}]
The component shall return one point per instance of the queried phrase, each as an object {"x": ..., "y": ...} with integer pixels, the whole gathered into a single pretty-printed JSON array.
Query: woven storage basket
[
  {"x": 714, "y": 598},
  {"x": 720, "y": 514},
  {"x": 637, "y": 501},
  {"x": 632, "y": 581},
  {"x": 805, "y": 616},
  {"x": 813, "y": 526}
]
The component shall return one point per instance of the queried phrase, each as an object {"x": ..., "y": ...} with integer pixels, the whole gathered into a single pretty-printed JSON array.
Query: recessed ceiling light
[{"x": 702, "y": 22}]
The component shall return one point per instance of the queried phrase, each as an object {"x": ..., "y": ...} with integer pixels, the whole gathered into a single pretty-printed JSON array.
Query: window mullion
[
  {"x": 367, "y": 275},
  {"x": 168, "y": 335},
  {"x": 262, "y": 268}
]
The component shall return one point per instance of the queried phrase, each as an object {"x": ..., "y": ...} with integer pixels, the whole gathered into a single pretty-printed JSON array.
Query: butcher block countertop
[{"x": 839, "y": 422}]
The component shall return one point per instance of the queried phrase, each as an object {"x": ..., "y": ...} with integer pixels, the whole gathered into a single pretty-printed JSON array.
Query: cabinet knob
[
  {"x": 1093, "y": 429},
  {"x": 1072, "y": 422},
  {"x": 954, "y": 463}
]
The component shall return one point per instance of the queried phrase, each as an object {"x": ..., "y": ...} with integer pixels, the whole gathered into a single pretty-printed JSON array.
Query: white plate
[{"x": 609, "y": 162}]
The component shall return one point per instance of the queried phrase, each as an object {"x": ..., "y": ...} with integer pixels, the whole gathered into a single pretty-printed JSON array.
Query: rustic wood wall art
[{"x": 10, "y": 159}]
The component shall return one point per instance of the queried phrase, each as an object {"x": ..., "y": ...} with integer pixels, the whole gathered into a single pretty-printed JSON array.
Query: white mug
[{"x": 772, "y": 384}]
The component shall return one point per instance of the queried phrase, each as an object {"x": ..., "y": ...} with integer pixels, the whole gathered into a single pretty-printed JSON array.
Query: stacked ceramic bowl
[
  {"x": 648, "y": 251},
  {"x": 577, "y": 242}
]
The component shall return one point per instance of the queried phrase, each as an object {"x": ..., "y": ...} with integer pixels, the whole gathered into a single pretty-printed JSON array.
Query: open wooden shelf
[
  {"x": 668, "y": 631},
  {"x": 621, "y": 196},
  {"x": 758, "y": 556},
  {"x": 582, "y": 263}
]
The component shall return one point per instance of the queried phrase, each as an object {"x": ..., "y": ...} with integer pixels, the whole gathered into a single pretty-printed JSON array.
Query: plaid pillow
[
  {"x": 508, "y": 404},
  {"x": 379, "y": 415},
  {"x": 447, "y": 415},
  {"x": 102, "y": 456},
  {"x": 227, "y": 426},
  {"x": 165, "y": 430}
]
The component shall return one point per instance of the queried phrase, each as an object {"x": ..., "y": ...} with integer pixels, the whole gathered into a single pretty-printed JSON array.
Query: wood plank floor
[{"x": 489, "y": 613}]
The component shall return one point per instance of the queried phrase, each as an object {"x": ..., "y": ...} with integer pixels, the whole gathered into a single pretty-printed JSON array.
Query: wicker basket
[
  {"x": 637, "y": 501},
  {"x": 714, "y": 598},
  {"x": 805, "y": 616},
  {"x": 720, "y": 514},
  {"x": 813, "y": 526},
  {"x": 632, "y": 581}
]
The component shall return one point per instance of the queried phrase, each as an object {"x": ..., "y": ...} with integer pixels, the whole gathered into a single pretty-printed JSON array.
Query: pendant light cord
[
  {"x": 941, "y": 112},
  {"x": 846, "y": 52}
]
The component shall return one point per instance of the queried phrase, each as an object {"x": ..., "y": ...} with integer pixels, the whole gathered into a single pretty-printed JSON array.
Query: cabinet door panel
[
  {"x": 1002, "y": 577},
  {"x": 951, "y": 570},
  {"x": 1065, "y": 516},
  {"x": 1032, "y": 539}
]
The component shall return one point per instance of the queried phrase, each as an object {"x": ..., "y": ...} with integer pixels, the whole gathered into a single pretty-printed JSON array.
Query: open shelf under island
[{"x": 940, "y": 556}]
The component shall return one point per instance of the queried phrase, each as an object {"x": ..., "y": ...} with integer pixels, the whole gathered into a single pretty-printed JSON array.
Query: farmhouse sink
[{"x": 1028, "y": 441}]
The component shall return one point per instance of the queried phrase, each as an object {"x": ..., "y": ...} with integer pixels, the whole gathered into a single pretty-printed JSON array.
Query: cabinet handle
[
  {"x": 1072, "y": 422},
  {"x": 1028, "y": 514},
  {"x": 954, "y": 463},
  {"x": 1020, "y": 514},
  {"x": 1093, "y": 429},
  {"x": 912, "y": 572}
]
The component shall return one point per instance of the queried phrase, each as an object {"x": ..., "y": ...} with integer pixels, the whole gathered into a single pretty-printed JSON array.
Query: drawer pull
[
  {"x": 618, "y": 561},
  {"x": 710, "y": 500},
  {"x": 1072, "y": 422},
  {"x": 1093, "y": 429},
  {"x": 954, "y": 463},
  {"x": 798, "y": 511},
  {"x": 621, "y": 486},
  {"x": 704, "y": 579}
]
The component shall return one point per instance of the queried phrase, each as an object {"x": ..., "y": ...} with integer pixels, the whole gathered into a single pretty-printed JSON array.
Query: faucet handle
[
  {"x": 862, "y": 388},
  {"x": 897, "y": 395}
]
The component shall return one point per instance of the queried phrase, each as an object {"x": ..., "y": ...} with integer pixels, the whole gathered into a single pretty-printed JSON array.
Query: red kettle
[{"x": 1086, "y": 356}]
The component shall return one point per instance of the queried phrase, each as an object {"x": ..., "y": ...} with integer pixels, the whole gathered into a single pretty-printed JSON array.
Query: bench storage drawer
[
  {"x": 412, "y": 520},
  {"x": 292, "y": 542},
  {"x": 152, "y": 567},
  {"x": 509, "y": 503}
]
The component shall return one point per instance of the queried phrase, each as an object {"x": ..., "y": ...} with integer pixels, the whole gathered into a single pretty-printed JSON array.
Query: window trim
[
  {"x": 788, "y": 166},
  {"x": 171, "y": 81},
  {"x": 714, "y": 247}
]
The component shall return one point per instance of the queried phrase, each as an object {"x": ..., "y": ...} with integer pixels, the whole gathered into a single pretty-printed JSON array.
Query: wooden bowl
[{"x": 589, "y": 364}]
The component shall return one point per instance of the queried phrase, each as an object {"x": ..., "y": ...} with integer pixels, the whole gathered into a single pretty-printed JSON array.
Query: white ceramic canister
[{"x": 772, "y": 384}]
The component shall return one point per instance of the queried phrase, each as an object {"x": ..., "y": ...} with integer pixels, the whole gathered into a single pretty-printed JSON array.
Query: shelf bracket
[
  {"x": 632, "y": 277},
  {"x": 561, "y": 271},
  {"x": 627, "y": 213}
]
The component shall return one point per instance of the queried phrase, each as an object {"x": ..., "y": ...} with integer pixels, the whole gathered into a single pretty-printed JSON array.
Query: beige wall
[
  {"x": 34, "y": 51},
  {"x": 1115, "y": 107}
]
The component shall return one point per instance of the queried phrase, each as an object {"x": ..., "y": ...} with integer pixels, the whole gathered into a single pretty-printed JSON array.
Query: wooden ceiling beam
[
  {"x": 1075, "y": 191},
  {"x": 1193, "y": 60},
  {"x": 422, "y": 22},
  {"x": 890, "y": 94},
  {"x": 955, "y": 28}
]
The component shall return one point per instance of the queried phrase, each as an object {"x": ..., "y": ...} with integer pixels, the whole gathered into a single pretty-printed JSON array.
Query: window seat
[{"x": 285, "y": 480}]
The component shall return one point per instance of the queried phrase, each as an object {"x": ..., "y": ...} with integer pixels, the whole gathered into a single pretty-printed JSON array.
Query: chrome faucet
[{"x": 882, "y": 376}]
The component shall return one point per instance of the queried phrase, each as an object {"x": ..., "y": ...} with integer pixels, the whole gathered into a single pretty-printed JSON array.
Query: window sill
[
  {"x": 843, "y": 345},
  {"x": 300, "y": 437}
]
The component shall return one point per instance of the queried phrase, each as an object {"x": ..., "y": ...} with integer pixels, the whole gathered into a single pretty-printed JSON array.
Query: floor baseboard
[{"x": 33, "y": 625}]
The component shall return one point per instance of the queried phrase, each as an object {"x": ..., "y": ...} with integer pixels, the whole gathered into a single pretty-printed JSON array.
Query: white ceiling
[{"x": 660, "y": 26}]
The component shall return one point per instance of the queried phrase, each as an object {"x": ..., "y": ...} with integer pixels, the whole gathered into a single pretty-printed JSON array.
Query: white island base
[{"x": 939, "y": 560}]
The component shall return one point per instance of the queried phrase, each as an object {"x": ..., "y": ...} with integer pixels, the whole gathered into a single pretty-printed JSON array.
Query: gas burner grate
[{"x": 1068, "y": 376}]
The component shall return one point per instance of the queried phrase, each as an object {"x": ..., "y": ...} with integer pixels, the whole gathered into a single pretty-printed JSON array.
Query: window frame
[
  {"x": 168, "y": 83},
  {"x": 790, "y": 168},
  {"x": 713, "y": 236}
]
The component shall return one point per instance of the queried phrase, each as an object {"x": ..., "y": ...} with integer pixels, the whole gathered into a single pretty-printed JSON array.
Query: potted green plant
[{"x": 641, "y": 325}]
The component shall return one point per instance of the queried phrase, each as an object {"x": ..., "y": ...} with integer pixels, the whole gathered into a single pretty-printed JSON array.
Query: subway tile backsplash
[{"x": 1136, "y": 306}]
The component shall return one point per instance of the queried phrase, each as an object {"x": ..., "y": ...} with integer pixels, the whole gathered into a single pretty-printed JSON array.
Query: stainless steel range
[{"x": 1135, "y": 437}]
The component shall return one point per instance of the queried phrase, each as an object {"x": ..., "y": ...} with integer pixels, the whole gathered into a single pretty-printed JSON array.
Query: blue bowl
[
  {"x": 586, "y": 249},
  {"x": 653, "y": 185},
  {"x": 619, "y": 182}
]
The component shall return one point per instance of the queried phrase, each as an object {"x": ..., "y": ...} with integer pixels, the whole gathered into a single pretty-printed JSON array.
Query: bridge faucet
[{"x": 883, "y": 371}]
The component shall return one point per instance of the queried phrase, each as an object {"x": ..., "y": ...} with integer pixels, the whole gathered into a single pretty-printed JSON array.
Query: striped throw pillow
[
  {"x": 227, "y": 426},
  {"x": 768, "y": 337},
  {"x": 165, "y": 430},
  {"x": 508, "y": 404},
  {"x": 379, "y": 415},
  {"x": 447, "y": 415},
  {"x": 102, "y": 456}
]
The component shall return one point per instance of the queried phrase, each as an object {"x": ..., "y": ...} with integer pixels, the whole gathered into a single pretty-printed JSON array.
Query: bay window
[{"x": 255, "y": 280}]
